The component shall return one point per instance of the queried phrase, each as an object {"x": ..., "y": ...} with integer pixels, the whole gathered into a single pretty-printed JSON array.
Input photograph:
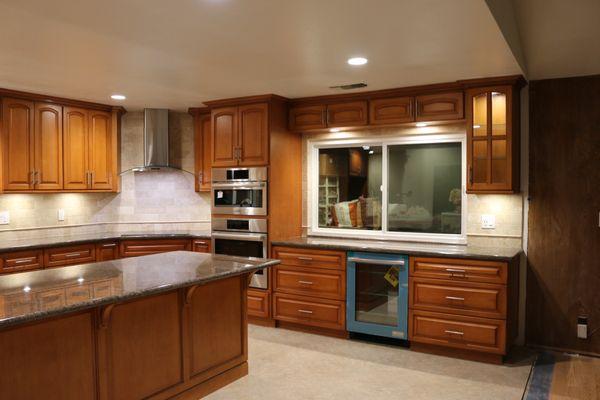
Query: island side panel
[{"x": 52, "y": 359}]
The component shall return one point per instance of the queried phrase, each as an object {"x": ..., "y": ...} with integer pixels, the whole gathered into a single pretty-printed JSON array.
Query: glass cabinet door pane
[
  {"x": 480, "y": 115},
  {"x": 499, "y": 161},
  {"x": 480, "y": 161},
  {"x": 498, "y": 114},
  {"x": 377, "y": 288}
]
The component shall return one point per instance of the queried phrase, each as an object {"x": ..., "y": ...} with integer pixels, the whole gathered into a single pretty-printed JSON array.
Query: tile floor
[{"x": 291, "y": 365}]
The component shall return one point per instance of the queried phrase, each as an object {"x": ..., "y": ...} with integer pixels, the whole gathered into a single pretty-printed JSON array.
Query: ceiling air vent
[{"x": 349, "y": 86}]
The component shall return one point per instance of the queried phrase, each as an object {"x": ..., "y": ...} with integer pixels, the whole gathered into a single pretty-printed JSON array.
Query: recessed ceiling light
[
  {"x": 357, "y": 61},
  {"x": 334, "y": 130},
  {"x": 118, "y": 97},
  {"x": 421, "y": 124}
]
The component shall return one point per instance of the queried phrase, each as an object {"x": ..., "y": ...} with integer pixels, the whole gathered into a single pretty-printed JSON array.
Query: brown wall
[{"x": 563, "y": 278}]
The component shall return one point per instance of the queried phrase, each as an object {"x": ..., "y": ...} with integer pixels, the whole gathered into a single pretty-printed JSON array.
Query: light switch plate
[
  {"x": 488, "y": 221},
  {"x": 4, "y": 218},
  {"x": 61, "y": 214}
]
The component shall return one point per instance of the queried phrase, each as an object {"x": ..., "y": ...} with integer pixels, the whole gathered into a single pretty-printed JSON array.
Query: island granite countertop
[
  {"x": 35, "y": 295},
  {"x": 30, "y": 244},
  {"x": 410, "y": 248}
]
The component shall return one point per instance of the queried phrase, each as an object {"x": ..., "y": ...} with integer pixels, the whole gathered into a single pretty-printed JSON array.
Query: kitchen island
[{"x": 163, "y": 326}]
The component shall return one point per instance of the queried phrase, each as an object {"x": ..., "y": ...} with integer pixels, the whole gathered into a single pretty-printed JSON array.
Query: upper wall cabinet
[
  {"x": 240, "y": 135},
  {"x": 493, "y": 140},
  {"x": 396, "y": 110},
  {"x": 308, "y": 117},
  {"x": 52, "y": 147},
  {"x": 353, "y": 113},
  {"x": 440, "y": 107},
  {"x": 202, "y": 148}
]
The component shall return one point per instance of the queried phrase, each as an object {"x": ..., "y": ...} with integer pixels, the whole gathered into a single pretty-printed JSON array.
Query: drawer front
[
  {"x": 19, "y": 261},
  {"x": 321, "y": 313},
  {"x": 201, "y": 246},
  {"x": 329, "y": 284},
  {"x": 479, "y": 334},
  {"x": 476, "y": 299},
  {"x": 459, "y": 270},
  {"x": 51, "y": 299},
  {"x": 310, "y": 258},
  {"x": 134, "y": 248},
  {"x": 106, "y": 251},
  {"x": 71, "y": 255},
  {"x": 259, "y": 303},
  {"x": 77, "y": 294}
]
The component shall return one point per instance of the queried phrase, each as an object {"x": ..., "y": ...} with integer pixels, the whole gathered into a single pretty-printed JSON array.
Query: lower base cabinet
[
  {"x": 259, "y": 303},
  {"x": 144, "y": 247}
]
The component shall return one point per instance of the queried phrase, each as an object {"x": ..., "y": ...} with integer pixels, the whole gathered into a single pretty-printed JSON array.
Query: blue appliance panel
[{"x": 377, "y": 294}]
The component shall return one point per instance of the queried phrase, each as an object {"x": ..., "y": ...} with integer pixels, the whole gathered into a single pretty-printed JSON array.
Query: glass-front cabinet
[
  {"x": 492, "y": 140},
  {"x": 377, "y": 299}
]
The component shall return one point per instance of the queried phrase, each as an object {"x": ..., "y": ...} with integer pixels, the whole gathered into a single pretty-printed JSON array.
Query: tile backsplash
[{"x": 149, "y": 201}]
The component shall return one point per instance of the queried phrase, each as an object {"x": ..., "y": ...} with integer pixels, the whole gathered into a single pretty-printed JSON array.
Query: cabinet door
[
  {"x": 106, "y": 251},
  {"x": 254, "y": 134},
  {"x": 100, "y": 150},
  {"x": 75, "y": 145},
  {"x": 224, "y": 137},
  {"x": 17, "y": 143},
  {"x": 202, "y": 138},
  {"x": 395, "y": 110},
  {"x": 490, "y": 140},
  {"x": 347, "y": 114},
  {"x": 48, "y": 165},
  {"x": 440, "y": 107},
  {"x": 308, "y": 117}
]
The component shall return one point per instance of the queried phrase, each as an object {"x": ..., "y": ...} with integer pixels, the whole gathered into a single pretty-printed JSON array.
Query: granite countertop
[
  {"x": 410, "y": 248},
  {"x": 30, "y": 296},
  {"x": 29, "y": 244}
]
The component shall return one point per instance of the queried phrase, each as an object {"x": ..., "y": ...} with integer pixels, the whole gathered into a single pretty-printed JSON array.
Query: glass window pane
[
  {"x": 425, "y": 188},
  {"x": 498, "y": 114},
  {"x": 480, "y": 115},
  {"x": 350, "y": 187}
]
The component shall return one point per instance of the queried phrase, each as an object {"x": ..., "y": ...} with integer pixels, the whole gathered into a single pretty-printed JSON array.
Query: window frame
[{"x": 312, "y": 206}]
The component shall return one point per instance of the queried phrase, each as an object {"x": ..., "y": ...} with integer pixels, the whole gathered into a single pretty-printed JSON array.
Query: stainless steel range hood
[{"x": 156, "y": 140}]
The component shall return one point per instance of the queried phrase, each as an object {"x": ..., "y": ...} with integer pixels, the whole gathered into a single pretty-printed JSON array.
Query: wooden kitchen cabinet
[
  {"x": 240, "y": 135},
  {"x": 143, "y": 247},
  {"x": 69, "y": 255},
  {"x": 202, "y": 148},
  {"x": 47, "y": 144},
  {"x": 352, "y": 113},
  {"x": 201, "y": 245},
  {"x": 100, "y": 150},
  {"x": 20, "y": 261},
  {"x": 106, "y": 251},
  {"x": 396, "y": 110},
  {"x": 440, "y": 107},
  {"x": 17, "y": 144},
  {"x": 493, "y": 140},
  {"x": 308, "y": 117}
]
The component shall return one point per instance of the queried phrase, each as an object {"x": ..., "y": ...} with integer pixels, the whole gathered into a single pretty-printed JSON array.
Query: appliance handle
[
  {"x": 239, "y": 185},
  {"x": 375, "y": 261},
  {"x": 254, "y": 237}
]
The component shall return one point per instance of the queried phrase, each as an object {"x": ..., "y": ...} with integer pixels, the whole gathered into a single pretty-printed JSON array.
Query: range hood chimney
[{"x": 156, "y": 140}]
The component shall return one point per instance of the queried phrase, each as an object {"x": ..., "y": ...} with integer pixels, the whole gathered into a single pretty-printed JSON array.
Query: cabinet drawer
[
  {"x": 134, "y": 248},
  {"x": 258, "y": 303},
  {"x": 479, "y": 334},
  {"x": 329, "y": 284},
  {"x": 71, "y": 255},
  {"x": 310, "y": 258},
  {"x": 51, "y": 299},
  {"x": 459, "y": 270},
  {"x": 201, "y": 246},
  {"x": 19, "y": 261},
  {"x": 77, "y": 294},
  {"x": 476, "y": 299},
  {"x": 321, "y": 313}
]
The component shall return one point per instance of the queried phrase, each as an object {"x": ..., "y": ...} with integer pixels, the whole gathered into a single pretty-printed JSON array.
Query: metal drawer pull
[
  {"x": 455, "y": 298},
  {"x": 24, "y": 260},
  {"x": 375, "y": 261},
  {"x": 455, "y": 333},
  {"x": 305, "y": 311},
  {"x": 305, "y": 258},
  {"x": 305, "y": 282},
  {"x": 458, "y": 271},
  {"x": 73, "y": 255},
  {"x": 109, "y": 245}
]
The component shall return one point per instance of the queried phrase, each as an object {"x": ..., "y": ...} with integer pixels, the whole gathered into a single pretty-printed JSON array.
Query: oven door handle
[
  {"x": 240, "y": 185},
  {"x": 254, "y": 237},
  {"x": 375, "y": 261}
]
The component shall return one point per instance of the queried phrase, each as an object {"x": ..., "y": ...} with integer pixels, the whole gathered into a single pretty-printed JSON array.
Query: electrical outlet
[
  {"x": 582, "y": 327},
  {"x": 61, "y": 214},
  {"x": 4, "y": 217},
  {"x": 488, "y": 221}
]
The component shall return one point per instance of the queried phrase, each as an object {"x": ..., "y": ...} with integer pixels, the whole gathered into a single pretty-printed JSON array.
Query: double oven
[{"x": 239, "y": 211}]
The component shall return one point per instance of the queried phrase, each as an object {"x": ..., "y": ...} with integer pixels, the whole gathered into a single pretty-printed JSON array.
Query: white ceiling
[{"x": 180, "y": 53}]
